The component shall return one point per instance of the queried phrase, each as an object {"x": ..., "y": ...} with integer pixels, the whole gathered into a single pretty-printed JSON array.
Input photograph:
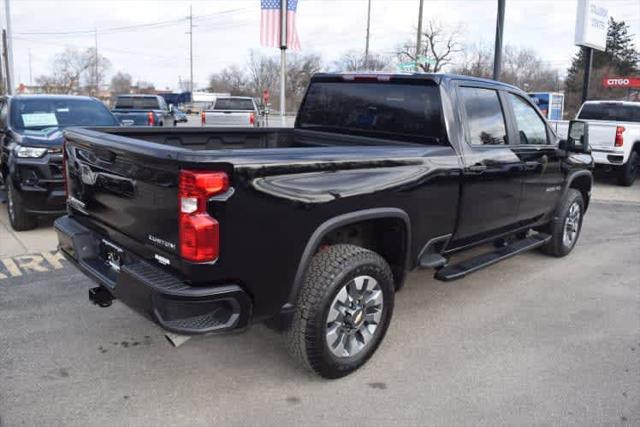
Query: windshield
[
  {"x": 234, "y": 104},
  {"x": 613, "y": 112},
  {"x": 42, "y": 113},
  {"x": 380, "y": 110},
  {"x": 138, "y": 102}
]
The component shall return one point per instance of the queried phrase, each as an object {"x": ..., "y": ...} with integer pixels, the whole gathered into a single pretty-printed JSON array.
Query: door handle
[
  {"x": 530, "y": 166},
  {"x": 476, "y": 169}
]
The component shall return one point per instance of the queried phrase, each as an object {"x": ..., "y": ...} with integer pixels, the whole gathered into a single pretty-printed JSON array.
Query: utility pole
[
  {"x": 366, "y": 47},
  {"x": 5, "y": 54},
  {"x": 30, "y": 73},
  {"x": 191, "y": 50},
  {"x": 497, "y": 53},
  {"x": 97, "y": 79},
  {"x": 8, "y": 45},
  {"x": 283, "y": 59},
  {"x": 419, "y": 37}
]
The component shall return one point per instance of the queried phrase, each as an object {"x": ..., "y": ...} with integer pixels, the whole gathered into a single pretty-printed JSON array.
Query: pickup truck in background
[
  {"x": 614, "y": 135},
  {"x": 31, "y": 151},
  {"x": 232, "y": 111},
  {"x": 313, "y": 229},
  {"x": 144, "y": 110}
]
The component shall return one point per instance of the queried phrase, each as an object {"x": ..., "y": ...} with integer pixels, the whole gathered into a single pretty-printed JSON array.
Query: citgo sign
[{"x": 622, "y": 82}]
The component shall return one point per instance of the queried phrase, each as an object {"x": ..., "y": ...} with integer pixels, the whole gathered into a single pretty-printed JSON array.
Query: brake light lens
[
  {"x": 252, "y": 119},
  {"x": 199, "y": 232},
  {"x": 151, "y": 120},
  {"x": 203, "y": 118},
  {"x": 619, "y": 137}
]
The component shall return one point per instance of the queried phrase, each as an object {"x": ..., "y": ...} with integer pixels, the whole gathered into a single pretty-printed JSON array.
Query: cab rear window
[
  {"x": 400, "y": 111},
  {"x": 610, "y": 111}
]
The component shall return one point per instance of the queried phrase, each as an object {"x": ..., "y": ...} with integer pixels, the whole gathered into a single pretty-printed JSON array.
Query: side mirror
[
  {"x": 578, "y": 137},
  {"x": 171, "y": 108}
]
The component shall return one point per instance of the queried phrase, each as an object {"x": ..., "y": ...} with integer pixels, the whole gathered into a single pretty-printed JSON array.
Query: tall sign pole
[
  {"x": 191, "y": 50},
  {"x": 9, "y": 47},
  {"x": 366, "y": 46},
  {"x": 283, "y": 58},
  {"x": 497, "y": 53},
  {"x": 419, "y": 37}
]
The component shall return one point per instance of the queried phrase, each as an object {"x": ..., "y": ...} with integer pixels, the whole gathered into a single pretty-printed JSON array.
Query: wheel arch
[
  {"x": 583, "y": 182},
  {"x": 397, "y": 254}
]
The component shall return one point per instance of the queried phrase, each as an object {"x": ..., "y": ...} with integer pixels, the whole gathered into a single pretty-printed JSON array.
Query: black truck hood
[{"x": 50, "y": 137}]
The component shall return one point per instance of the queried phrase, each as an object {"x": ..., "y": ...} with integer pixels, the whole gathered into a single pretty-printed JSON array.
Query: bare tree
[
  {"x": 231, "y": 80},
  {"x": 145, "y": 87},
  {"x": 355, "y": 61},
  {"x": 74, "y": 71},
  {"x": 521, "y": 67},
  {"x": 121, "y": 83},
  {"x": 299, "y": 72},
  {"x": 440, "y": 44}
]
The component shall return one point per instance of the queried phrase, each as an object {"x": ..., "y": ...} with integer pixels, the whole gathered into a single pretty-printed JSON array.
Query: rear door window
[
  {"x": 138, "y": 103},
  {"x": 390, "y": 110},
  {"x": 485, "y": 118},
  {"x": 531, "y": 128}
]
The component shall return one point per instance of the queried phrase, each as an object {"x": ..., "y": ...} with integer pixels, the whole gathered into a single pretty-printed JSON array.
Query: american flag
[{"x": 270, "y": 24}]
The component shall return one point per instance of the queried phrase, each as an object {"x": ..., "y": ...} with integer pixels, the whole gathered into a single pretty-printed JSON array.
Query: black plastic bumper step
[{"x": 457, "y": 271}]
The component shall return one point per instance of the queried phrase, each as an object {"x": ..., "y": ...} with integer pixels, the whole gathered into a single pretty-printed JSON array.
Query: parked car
[
  {"x": 144, "y": 110},
  {"x": 180, "y": 116},
  {"x": 312, "y": 229},
  {"x": 31, "y": 150},
  {"x": 614, "y": 134},
  {"x": 232, "y": 111}
]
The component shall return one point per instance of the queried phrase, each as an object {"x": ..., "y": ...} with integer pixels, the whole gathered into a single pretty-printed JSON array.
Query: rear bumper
[
  {"x": 151, "y": 291},
  {"x": 41, "y": 184},
  {"x": 610, "y": 157}
]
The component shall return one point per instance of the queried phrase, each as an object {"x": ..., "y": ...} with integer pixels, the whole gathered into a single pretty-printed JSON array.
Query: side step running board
[{"x": 457, "y": 271}]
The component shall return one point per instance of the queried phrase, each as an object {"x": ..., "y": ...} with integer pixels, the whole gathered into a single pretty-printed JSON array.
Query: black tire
[
  {"x": 627, "y": 174},
  {"x": 558, "y": 246},
  {"x": 329, "y": 272},
  {"x": 18, "y": 218}
]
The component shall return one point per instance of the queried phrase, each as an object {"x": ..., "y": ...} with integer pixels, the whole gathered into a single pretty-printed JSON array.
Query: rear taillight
[
  {"x": 203, "y": 118},
  {"x": 252, "y": 119},
  {"x": 619, "y": 137},
  {"x": 151, "y": 120},
  {"x": 199, "y": 232}
]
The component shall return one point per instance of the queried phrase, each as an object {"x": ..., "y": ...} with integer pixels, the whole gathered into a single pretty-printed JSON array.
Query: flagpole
[{"x": 283, "y": 58}]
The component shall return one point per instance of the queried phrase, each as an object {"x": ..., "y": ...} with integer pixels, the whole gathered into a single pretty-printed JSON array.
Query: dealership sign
[
  {"x": 592, "y": 21},
  {"x": 622, "y": 82}
]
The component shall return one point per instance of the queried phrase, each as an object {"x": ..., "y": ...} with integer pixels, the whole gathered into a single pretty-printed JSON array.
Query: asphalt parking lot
[{"x": 533, "y": 340}]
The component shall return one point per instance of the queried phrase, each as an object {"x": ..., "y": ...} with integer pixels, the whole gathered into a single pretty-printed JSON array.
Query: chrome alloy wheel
[
  {"x": 571, "y": 225},
  {"x": 354, "y": 315}
]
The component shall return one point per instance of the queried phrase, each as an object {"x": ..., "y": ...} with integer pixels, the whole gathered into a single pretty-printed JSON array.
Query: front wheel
[
  {"x": 18, "y": 218},
  {"x": 343, "y": 310},
  {"x": 566, "y": 227}
]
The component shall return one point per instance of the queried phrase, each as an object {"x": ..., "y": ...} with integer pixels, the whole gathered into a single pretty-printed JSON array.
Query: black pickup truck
[
  {"x": 31, "y": 150},
  {"x": 314, "y": 228}
]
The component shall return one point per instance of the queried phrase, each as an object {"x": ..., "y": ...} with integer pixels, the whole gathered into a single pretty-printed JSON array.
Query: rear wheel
[
  {"x": 627, "y": 174},
  {"x": 565, "y": 230},
  {"x": 18, "y": 218},
  {"x": 343, "y": 310}
]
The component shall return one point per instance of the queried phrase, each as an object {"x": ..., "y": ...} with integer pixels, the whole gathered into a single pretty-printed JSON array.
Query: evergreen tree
[{"x": 620, "y": 58}]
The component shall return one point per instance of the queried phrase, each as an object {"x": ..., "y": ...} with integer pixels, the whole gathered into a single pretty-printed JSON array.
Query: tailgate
[
  {"x": 602, "y": 135},
  {"x": 228, "y": 118},
  {"x": 125, "y": 184},
  {"x": 132, "y": 118}
]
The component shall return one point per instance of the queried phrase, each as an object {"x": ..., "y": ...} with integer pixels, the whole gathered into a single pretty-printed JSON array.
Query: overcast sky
[{"x": 154, "y": 46}]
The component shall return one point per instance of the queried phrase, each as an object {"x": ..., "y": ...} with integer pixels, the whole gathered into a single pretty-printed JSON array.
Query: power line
[{"x": 134, "y": 27}]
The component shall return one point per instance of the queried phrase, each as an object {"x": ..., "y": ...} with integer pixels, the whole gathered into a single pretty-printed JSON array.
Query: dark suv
[{"x": 31, "y": 150}]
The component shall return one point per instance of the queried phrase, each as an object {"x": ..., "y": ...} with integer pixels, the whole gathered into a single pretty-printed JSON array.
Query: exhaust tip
[{"x": 176, "y": 340}]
